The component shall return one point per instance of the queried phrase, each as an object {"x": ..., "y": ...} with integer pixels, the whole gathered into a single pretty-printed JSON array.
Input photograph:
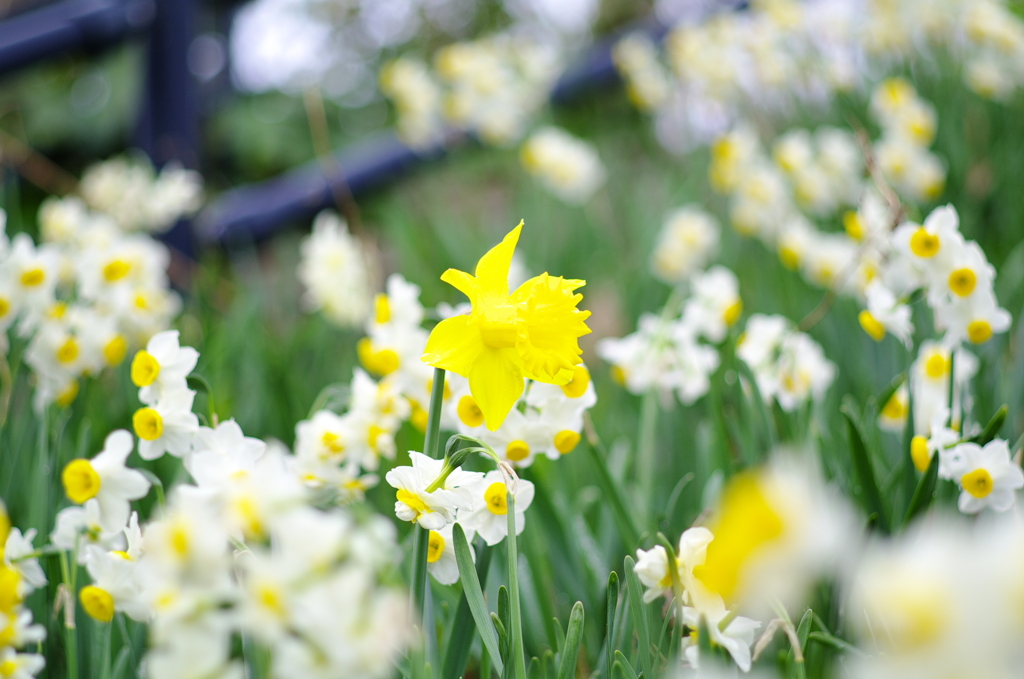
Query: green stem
[
  {"x": 518, "y": 660},
  {"x": 431, "y": 448},
  {"x": 646, "y": 453},
  {"x": 105, "y": 651},
  {"x": 70, "y": 632}
]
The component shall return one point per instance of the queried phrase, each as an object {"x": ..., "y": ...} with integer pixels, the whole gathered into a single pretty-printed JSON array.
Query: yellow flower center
[
  {"x": 920, "y": 454},
  {"x": 68, "y": 351},
  {"x": 469, "y": 412},
  {"x": 853, "y": 224},
  {"x": 10, "y": 581},
  {"x": 871, "y": 325},
  {"x": 577, "y": 386},
  {"x": 895, "y": 408},
  {"x": 413, "y": 501},
  {"x": 116, "y": 270},
  {"x": 141, "y": 301},
  {"x": 124, "y": 555},
  {"x": 332, "y": 442},
  {"x": 148, "y": 424},
  {"x": 963, "y": 281},
  {"x": 435, "y": 547},
  {"x": 271, "y": 599},
  {"x": 419, "y": 418},
  {"x": 978, "y": 483},
  {"x": 33, "y": 277},
  {"x": 7, "y": 636},
  {"x": 382, "y": 308},
  {"x": 936, "y": 366},
  {"x": 180, "y": 542},
  {"x": 8, "y": 667},
  {"x": 115, "y": 350},
  {"x": 732, "y": 312},
  {"x": 5, "y": 306},
  {"x": 81, "y": 482},
  {"x": 68, "y": 396},
  {"x": 517, "y": 451},
  {"x": 97, "y": 603},
  {"x": 619, "y": 375},
  {"x": 248, "y": 512},
  {"x": 789, "y": 257},
  {"x": 979, "y": 332},
  {"x": 145, "y": 369},
  {"x": 566, "y": 441},
  {"x": 495, "y": 497},
  {"x": 383, "y": 362},
  {"x": 746, "y": 523},
  {"x": 924, "y": 244},
  {"x": 373, "y": 434}
]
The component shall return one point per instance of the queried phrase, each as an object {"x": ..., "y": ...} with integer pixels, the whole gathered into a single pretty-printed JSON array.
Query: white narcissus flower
[
  {"x": 166, "y": 426},
  {"x": 77, "y": 527},
  {"x": 162, "y": 367},
  {"x": 489, "y": 515},
  {"x": 116, "y": 585},
  {"x": 16, "y": 553},
  {"x": 715, "y": 305},
  {"x": 884, "y": 314},
  {"x": 687, "y": 240},
  {"x": 106, "y": 479},
  {"x": 988, "y": 476},
  {"x": 435, "y": 509},
  {"x": 20, "y": 665},
  {"x": 219, "y": 453},
  {"x": 568, "y": 167},
  {"x": 441, "y": 561},
  {"x": 736, "y": 638},
  {"x": 653, "y": 572},
  {"x": 333, "y": 270}
]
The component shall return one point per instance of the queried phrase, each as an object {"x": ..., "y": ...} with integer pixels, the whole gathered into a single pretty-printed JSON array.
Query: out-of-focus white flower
[
  {"x": 715, "y": 304},
  {"x": 166, "y": 426},
  {"x": 106, "y": 479},
  {"x": 78, "y": 527},
  {"x": 893, "y": 414},
  {"x": 221, "y": 453},
  {"x": 687, "y": 240},
  {"x": 162, "y": 367},
  {"x": 131, "y": 193},
  {"x": 988, "y": 477},
  {"x": 886, "y": 314},
  {"x": 647, "y": 82},
  {"x": 568, "y": 167},
  {"x": 334, "y": 272}
]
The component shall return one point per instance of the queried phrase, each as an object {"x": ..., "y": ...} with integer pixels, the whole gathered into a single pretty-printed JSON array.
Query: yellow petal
[
  {"x": 492, "y": 269},
  {"x": 549, "y": 346},
  {"x": 496, "y": 382},
  {"x": 463, "y": 282},
  {"x": 454, "y": 344}
]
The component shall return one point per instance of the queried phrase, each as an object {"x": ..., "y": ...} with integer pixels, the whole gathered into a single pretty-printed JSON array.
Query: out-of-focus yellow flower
[{"x": 531, "y": 333}]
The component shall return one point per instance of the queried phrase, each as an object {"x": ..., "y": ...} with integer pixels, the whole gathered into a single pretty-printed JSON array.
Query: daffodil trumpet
[{"x": 531, "y": 333}]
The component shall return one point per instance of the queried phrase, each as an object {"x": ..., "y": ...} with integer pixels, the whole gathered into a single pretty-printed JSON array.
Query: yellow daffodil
[{"x": 531, "y": 333}]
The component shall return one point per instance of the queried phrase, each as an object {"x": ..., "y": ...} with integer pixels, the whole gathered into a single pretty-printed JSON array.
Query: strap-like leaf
[
  {"x": 864, "y": 471},
  {"x": 993, "y": 427},
  {"x": 639, "y": 614},
  {"x": 460, "y": 640},
  {"x": 475, "y": 596},
  {"x": 573, "y": 639},
  {"x": 924, "y": 492}
]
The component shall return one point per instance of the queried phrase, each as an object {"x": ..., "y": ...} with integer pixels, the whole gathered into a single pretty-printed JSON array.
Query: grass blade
[
  {"x": 636, "y": 607},
  {"x": 993, "y": 426},
  {"x": 515, "y": 641},
  {"x": 623, "y": 518},
  {"x": 573, "y": 639},
  {"x": 460, "y": 640},
  {"x": 611, "y": 608},
  {"x": 624, "y": 668},
  {"x": 865, "y": 474},
  {"x": 475, "y": 596},
  {"x": 834, "y": 642},
  {"x": 924, "y": 492}
]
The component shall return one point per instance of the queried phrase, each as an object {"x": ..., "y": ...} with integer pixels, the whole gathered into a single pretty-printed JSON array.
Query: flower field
[{"x": 718, "y": 373}]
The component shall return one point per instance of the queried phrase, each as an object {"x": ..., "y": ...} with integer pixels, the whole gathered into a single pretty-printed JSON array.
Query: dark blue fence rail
[{"x": 168, "y": 129}]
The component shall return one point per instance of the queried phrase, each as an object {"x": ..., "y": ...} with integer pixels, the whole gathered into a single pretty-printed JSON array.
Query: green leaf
[
  {"x": 475, "y": 596},
  {"x": 639, "y": 614},
  {"x": 460, "y": 640},
  {"x": 834, "y": 642},
  {"x": 624, "y": 668},
  {"x": 757, "y": 402},
  {"x": 993, "y": 427},
  {"x": 925, "y": 491},
  {"x": 890, "y": 389},
  {"x": 573, "y": 639},
  {"x": 611, "y": 608},
  {"x": 623, "y": 518},
  {"x": 863, "y": 470},
  {"x": 804, "y": 628}
]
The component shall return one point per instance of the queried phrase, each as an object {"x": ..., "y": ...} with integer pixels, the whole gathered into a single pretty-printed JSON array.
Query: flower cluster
[
  {"x": 781, "y": 54},
  {"x": 566, "y": 166},
  {"x": 435, "y": 496},
  {"x": 94, "y": 287},
  {"x": 240, "y": 551},
  {"x": 138, "y": 198},
  {"x": 490, "y": 87},
  {"x": 20, "y": 575},
  {"x": 334, "y": 272},
  {"x": 773, "y": 533}
]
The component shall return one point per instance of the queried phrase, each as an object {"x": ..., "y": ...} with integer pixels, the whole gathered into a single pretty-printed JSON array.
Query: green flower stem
[
  {"x": 70, "y": 632},
  {"x": 431, "y": 448},
  {"x": 517, "y": 659},
  {"x": 646, "y": 452}
]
